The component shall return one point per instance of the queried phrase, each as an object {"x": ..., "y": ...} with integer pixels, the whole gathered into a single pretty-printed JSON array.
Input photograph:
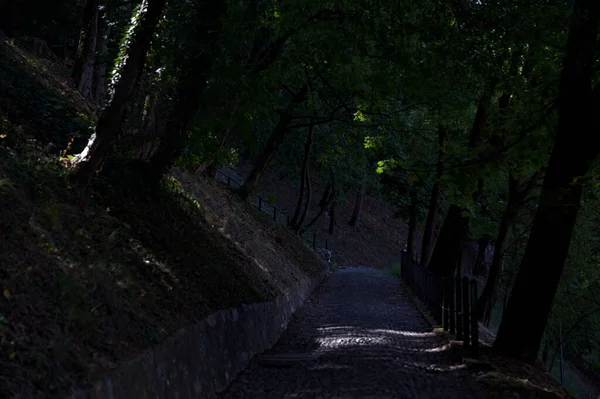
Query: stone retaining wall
[{"x": 201, "y": 360}]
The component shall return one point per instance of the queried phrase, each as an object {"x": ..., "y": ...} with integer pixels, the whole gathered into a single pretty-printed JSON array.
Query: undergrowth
[{"x": 89, "y": 281}]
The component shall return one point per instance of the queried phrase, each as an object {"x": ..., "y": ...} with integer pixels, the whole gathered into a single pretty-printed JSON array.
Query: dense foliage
[{"x": 450, "y": 110}]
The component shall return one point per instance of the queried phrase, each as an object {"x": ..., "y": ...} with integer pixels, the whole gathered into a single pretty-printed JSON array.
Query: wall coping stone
[{"x": 200, "y": 360}]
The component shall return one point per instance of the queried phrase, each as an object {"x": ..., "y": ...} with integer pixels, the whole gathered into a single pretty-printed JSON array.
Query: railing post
[
  {"x": 465, "y": 311},
  {"x": 432, "y": 306},
  {"x": 419, "y": 283},
  {"x": 474, "y": 324},
  {"x": 423, "y": 285},
  {"x": 439, "y": 299},
  {"x": 445, "y": 304},
  {"x": 459, "y": 308},
  {"x": 427, "y": 290},
  {"x": 452, "y": 303}
]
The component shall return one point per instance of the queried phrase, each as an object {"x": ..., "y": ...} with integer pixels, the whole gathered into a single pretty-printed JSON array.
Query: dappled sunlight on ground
[{"x": 358, "y": 337}]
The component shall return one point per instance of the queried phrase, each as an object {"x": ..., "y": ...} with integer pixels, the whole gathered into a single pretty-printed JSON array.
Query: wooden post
[
  {"x": 465, "y": 310},
  {"x": 459, "y": 307},
  {"x": 228, "y": 181},
  {"x": 474, "y": 324}
]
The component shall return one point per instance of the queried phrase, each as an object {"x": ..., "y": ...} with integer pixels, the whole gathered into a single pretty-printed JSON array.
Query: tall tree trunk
[
  {"x": 324, "y": 203},
  {"x": 482, "y": 245},
  {"x": 191, "y": 85},
  {"x": 517, "y": 196},
  {"x": 545, "y": 352},
  {"x": 211, "y": 169},
  {"x": 111, "y": 119},
  {"x": 526, "y": 315},
  {"x": 326, "y": 196},
  {"x": 447, "y": 252},
  {"x": 332, "y": 208},
  {"x": 83, "y": 71},
  {"x": 298, "y": 227},
  {"x": 272, "y": 145},
  {"x": 101, "y": 60},
  {"x": 360, "y": 198},
  {"x": 485, "y": 300},
  {"x": 434, "y": 201},
  {"x": 412, "y": 225},
  {"x": 303, "y": 179}
]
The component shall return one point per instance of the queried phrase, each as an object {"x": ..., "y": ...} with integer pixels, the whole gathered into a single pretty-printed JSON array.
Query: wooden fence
[
  {"x": 451, "y": 301},
  {"x": 278, "y": 217}
]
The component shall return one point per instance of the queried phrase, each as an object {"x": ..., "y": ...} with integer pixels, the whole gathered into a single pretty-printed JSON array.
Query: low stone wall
[{"x": 200, "y": 361}]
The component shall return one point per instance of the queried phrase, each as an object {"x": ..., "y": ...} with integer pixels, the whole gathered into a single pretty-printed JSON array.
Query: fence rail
[
  {"x": 279, "y": 217},
  {"x": 451, "y": 301}
]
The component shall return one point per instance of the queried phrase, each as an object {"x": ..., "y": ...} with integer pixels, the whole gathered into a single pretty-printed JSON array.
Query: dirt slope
[
  {"x": 380, "y": 236},
  {"x": 87, "y": 284}
]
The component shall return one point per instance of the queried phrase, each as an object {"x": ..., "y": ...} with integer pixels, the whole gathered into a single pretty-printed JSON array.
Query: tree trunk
[
  {"x": 211, "y": 169},
  {"x": 360, "y": 197},
  {"x": 526, "y": 315},
  {"x": 485, "y": 300},
  {"x": 482, "y": 244},
  {"x": 332, "y": 209},
  {"x": 303, "y": 179},
  {"x": 326, "y": 196},
  {"x": 189, "y": 94},
  {"x": 190, "y": 87},
  {"x": 306, "y": 203},
  {"x": 412, "y": 226},
  {"x": 434, "y": 202},
  {"x": 517, "y": 196},
  {"x": 111, "y": 119},
  {"x": 545, "y": 352},
  {"x": 272, "y": 145},
  {"x": 447, "y": 252},
  {"x": 323, "y": 205},
  {"x": 83, "y": 71},
  {"x": 101, "y": 61}
]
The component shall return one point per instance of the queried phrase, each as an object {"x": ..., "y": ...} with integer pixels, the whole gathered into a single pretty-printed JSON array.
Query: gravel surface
[{"x": 366, "y": 339}]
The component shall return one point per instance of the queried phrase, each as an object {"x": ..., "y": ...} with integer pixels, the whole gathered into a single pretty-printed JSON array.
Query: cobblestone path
[{"x": 367, "y": 340}]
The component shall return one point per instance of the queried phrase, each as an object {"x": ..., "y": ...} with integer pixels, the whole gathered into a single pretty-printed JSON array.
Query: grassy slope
[{"x": 86, "y": 284}]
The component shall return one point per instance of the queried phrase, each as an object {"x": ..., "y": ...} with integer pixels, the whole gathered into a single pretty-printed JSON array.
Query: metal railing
[
  {"x": 278, "y": 217},
  {"x": 451, "y": 301}
]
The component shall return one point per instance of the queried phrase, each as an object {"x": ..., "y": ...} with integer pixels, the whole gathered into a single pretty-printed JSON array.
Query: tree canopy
[{"x": 475, "y": 118}]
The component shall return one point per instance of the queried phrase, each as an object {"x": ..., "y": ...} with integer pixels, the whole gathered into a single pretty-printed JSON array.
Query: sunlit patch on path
[{"x": 360, "y": 336}]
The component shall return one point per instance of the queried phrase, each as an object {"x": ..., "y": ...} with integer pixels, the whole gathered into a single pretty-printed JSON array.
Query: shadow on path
[{"x": 359, "y": 336}]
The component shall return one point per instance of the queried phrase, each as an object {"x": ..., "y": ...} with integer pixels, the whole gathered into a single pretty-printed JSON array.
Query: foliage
[{"x": 382, "y": 77}]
